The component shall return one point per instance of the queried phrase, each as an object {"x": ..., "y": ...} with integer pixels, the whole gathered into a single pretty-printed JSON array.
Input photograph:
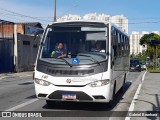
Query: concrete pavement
[
  {"x": 14, "y": 75},
  {"x": 148, "y": 98},
  {"x": 15, "y": 89}
]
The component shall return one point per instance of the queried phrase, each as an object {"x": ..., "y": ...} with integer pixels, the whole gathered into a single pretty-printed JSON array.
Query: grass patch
[{"x": 157, "y": 70}]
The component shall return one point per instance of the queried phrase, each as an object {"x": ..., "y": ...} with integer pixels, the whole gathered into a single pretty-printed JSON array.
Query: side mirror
[
  {"x": 40, "y": 32},
  {"x": 36, "y": 36}
]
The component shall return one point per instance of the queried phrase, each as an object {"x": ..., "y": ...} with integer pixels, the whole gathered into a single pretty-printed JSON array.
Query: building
[
  {"x": 17, "y": 51},
  {"x": 104, "y": 17},
  {"x": 119, "y": 20},
  {"x": 99, "y": 17},
  {"x": 91, "y": 16},
  {"x": 135, "y": 47},
  {"x": 69, "y": 17}
]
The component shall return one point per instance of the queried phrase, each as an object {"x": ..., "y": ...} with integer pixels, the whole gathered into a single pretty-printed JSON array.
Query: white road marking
[
  {"x": 22, "y": 105},
  {"x": 131, "y": 108},
  {"x": 27, "y": 103}
]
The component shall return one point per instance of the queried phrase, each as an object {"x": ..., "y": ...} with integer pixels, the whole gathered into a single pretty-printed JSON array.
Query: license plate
[
  {"x": 132, "y": 68},
  {"x": 69, "y": 96}
]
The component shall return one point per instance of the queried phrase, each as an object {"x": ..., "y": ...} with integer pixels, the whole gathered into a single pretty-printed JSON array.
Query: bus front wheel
[
  {"x": 123, "y": 85},
  {"x": 110, "y": 104},
  {"x": 50, "y": 103}
]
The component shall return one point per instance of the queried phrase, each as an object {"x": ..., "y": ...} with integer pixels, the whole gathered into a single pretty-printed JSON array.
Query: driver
[{"x": 60, "y": 51}]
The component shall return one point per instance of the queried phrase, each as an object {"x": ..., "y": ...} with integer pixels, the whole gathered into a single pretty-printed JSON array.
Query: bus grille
[{"x": 70, "y": 72}]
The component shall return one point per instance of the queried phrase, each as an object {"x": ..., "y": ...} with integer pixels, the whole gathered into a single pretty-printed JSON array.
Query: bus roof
[{"x": 89, "y": 21}]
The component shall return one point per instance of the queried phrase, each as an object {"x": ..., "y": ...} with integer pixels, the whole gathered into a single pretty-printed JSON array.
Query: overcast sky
[{"x": 143, "y": 15}]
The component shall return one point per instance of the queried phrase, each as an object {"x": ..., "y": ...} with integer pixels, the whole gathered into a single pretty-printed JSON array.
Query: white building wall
[
  {"x": 135, "y": 47},
  {"x": 120, "y": 21},
  {"x": 134, "y": 38},
  {"x": 104, "y": 17},
  {"x": 69, "y": 17},
  {"x": 91, "y": 16}
]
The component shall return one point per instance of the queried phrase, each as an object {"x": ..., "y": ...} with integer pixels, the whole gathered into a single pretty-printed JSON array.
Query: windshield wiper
[
  {"x": 96, "y": 61},
  {"x": 61, "y": 59},
  {"x": 65, "y": 61}
]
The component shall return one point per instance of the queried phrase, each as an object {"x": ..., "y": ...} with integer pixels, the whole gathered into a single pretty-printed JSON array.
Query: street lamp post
[{"x": 55, "y": 11}]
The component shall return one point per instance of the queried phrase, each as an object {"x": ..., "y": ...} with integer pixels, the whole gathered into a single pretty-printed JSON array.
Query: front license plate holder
[{"x": 69, "y": 96}]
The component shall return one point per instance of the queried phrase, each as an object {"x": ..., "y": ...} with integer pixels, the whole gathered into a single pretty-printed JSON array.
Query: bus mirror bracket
[{"x": 36, "y": 36}]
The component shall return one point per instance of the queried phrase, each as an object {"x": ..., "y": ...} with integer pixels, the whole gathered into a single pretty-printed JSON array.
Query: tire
[
  {"x": 50, "y": 103},
  {"x": 123, "y": 86},
  {"x": 110, "y": 104}
]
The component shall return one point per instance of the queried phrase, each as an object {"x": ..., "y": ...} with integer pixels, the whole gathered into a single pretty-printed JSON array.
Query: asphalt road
[{"x": 17, "y": 94}]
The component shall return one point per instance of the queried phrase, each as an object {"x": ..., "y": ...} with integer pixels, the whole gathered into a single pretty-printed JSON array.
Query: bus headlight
[
  {"x": 42, "y": 82},
  {"x": 99, "y": 83}
]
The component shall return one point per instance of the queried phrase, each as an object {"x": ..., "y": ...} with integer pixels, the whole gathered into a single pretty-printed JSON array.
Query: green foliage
[
  {"x": 153, "y": 70},
  {"x": 153, "y": 50},
  {"x": 141, "y": 56},
  {"x": 150, "y": 52},
  {"x": 132, "y": 55},
  {"x": 146, "y": 39},
  {"x": 158, "y": 51}
]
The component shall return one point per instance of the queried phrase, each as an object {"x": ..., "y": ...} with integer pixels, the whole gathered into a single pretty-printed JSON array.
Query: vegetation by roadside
[{"x": 156, "y": 70}]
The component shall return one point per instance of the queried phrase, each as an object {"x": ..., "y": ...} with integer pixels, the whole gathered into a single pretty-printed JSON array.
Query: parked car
[
  {"x": 135, "y": 65},
  {"x": 143, "y": 66}
]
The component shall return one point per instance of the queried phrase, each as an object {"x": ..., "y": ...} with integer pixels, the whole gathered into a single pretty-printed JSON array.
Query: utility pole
[{"x": 55, "y": 16}]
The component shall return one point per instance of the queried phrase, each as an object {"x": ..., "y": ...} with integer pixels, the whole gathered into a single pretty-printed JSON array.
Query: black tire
[
  {"x": 110, "y": 104},
  {"x": 123, "y": 86},
  {"x": 50, "y": 103}
]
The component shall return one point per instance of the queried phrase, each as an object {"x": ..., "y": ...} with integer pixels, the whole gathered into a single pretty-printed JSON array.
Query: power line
[
  {"x": 15, "y": 14},
  {"x": 69, "y": 9},
  {"x": 10, "y": 16},
  {"x": 21, "y": 15}
]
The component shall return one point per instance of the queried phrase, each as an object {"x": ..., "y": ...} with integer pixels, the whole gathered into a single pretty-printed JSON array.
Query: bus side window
[
  {"x": 114, "y": 45},
  {"x": 119, "y": 45}
]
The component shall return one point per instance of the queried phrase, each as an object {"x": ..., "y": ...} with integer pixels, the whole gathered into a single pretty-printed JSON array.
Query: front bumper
[{"x": 83, "y": 94}]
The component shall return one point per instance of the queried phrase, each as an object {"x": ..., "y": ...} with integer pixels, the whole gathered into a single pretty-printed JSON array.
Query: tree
[
  {"x": 146, "y": 39},
  {"x": 151, "y": 48}
]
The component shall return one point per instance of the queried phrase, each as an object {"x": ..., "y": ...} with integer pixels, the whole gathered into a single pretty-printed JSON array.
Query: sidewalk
[
  {"x": 11, "y": 75},
  {"x": 149, "y": 97}
]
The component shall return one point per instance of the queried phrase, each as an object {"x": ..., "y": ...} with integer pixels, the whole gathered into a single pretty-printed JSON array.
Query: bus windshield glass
[{"x": 62, "y": 43}]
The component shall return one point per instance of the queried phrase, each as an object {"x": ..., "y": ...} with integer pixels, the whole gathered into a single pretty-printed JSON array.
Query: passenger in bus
[
  {"x": 59, "y": 52},
  {"x": 98, "y": 47}
]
